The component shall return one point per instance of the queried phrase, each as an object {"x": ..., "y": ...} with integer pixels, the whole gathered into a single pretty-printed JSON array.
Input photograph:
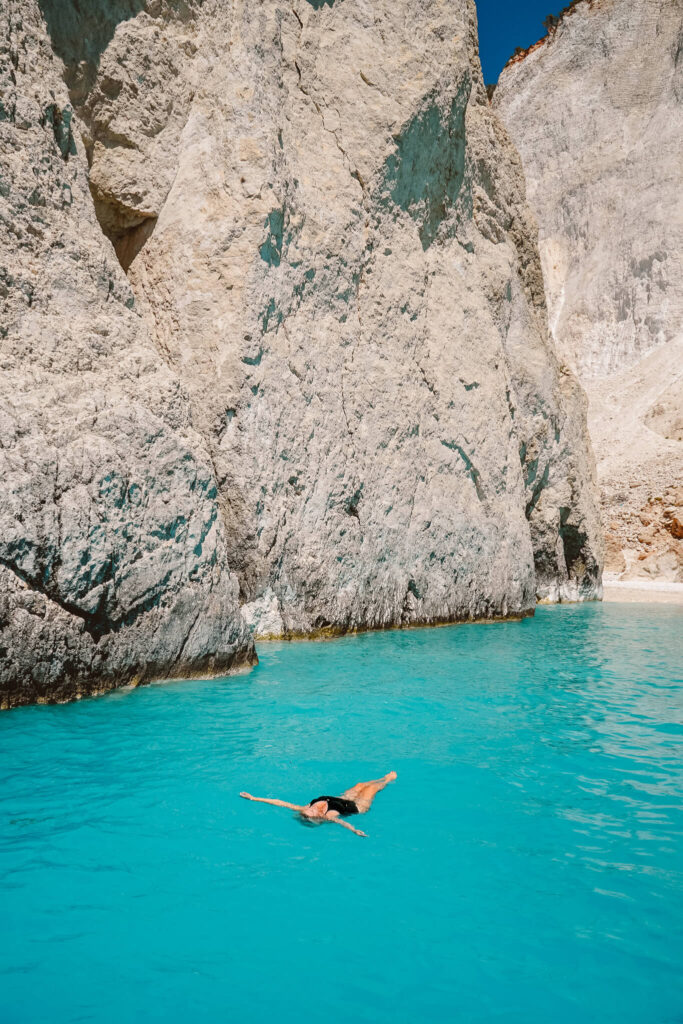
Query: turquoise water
[{"x": 526, "y": 867}]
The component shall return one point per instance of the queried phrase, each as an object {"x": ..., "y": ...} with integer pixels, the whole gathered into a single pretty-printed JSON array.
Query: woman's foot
[{"x": 391, "y": 776}]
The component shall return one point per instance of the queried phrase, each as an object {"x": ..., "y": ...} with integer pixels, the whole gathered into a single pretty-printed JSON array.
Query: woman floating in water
[{"x": 356, "y": 800}]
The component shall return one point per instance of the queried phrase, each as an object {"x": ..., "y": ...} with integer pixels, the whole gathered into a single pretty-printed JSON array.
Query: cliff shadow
[{"x": 80, "y": 31}]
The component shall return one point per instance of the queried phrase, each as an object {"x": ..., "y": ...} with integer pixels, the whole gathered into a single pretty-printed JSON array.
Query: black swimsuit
[{"x": 339, "y": 804}]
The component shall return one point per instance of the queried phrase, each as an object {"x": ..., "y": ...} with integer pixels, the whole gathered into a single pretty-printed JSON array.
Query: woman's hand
[
  {"x": 349, "y": 826},
  {"x": 246, "y": 796}
]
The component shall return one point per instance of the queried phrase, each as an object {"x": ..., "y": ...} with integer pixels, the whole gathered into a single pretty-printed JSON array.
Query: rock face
[
  {"x": 113, "y": 551},
  {"x": 596, "y": 112},
  {"x": 326, "y": 391}
]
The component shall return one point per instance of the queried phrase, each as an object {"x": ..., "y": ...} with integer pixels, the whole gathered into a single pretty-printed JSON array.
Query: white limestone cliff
[
  {"x": 335, "y": 308},
  {"x": 595, "y": 110},
  {"x": 113, "y": 553}
]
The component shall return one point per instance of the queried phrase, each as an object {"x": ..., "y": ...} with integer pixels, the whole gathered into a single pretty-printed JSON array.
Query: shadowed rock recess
[{"x": 323, "y": 397}]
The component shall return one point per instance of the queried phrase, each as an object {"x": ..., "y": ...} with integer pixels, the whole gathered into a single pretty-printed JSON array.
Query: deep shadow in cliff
[{"x": 80, "y": 33}]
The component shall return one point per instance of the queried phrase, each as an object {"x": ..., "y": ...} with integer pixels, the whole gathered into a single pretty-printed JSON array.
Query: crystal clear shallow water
[{"x": 526, "y": 867}]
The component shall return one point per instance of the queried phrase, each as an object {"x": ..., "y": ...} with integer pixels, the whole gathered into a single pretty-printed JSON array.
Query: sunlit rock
[
  {"x": 326, "y": 390},
  {"x": 595, "y": 111}
]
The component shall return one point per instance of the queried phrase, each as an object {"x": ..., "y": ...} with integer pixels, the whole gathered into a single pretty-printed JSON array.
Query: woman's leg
[{"x": 363, "y": 793}]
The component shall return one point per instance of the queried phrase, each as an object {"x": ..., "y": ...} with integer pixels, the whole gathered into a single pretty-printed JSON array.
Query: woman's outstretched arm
[
  {"x": 346, "y": 824},
  {"x": 267, "y": 800}
]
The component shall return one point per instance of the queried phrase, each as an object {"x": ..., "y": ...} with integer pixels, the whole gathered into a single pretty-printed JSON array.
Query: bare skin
[{"x": 363, "y": 793}]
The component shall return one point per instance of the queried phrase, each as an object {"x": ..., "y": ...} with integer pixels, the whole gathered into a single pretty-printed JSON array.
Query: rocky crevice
[{"x": 102, "y": 45}]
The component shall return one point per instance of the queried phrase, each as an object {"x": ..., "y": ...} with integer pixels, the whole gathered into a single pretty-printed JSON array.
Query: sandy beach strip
[{"x": 643, "y": 591}]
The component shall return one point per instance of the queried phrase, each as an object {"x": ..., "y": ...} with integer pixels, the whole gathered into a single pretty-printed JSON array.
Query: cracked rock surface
[
  {"x": 113, "y": 551},
  {"x": 595, "y": 111},
  {"x": 325, "y": 397}
]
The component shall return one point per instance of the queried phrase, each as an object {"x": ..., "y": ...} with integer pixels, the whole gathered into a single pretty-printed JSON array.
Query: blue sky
[{"x": 505, "y": 24}]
